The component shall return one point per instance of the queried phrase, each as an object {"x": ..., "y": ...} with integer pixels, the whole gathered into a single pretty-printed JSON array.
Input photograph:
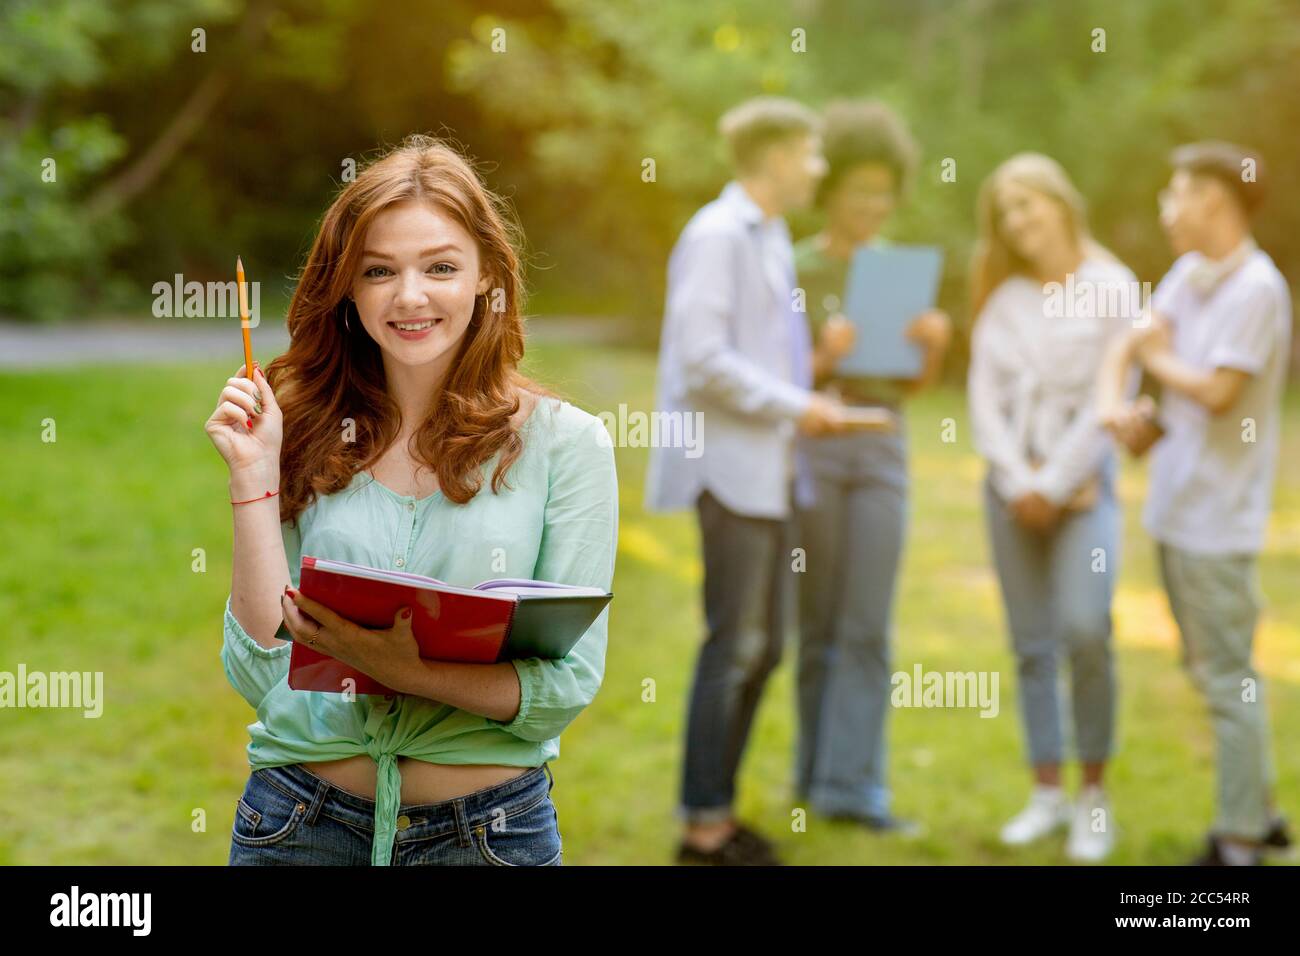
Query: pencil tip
[{"x": 239, "y": 262}]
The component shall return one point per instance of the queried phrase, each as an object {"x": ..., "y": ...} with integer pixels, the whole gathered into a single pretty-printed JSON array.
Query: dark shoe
[
  {"x": 754, "y": 840},
  {"x": 743, "y": 848},
  {"x": 1214, "y": 856},
  {"x": 1278, "y": 836}
]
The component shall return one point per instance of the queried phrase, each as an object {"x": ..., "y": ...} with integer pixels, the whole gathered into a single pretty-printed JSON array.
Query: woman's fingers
[
  {"x": 296, "y": 623},
  {"x": 247, "y": 382},
  {"x": 320, "y": 612},
  {"x": 256, "y": 385},
  {"x": 247, "y": 386},
  {"x": 244, "y": 394},
  {"x": 263, "y": 386},
  {"x": 231, "y": 414},
  {"x": 237, "y": 396}
]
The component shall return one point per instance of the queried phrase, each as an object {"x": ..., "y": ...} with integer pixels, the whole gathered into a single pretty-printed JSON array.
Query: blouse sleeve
[
  {"x": 251, "y": 668},
  {"x": 579, "y": 540},
  {"x": 1082, "y": 448},
  {"x": 991, "y": 435}
]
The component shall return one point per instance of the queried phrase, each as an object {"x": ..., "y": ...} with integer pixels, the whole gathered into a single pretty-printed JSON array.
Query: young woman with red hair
[{"x": 371, "y": 440}]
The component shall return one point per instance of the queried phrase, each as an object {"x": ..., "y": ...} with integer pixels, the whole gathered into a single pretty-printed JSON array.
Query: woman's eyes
[{"x": 375, "y": 272}]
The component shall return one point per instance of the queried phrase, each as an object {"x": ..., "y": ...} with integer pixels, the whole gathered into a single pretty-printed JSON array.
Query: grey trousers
[
  {"x": 1215, "y": 600},
  {"x": 749, "y": 610}
]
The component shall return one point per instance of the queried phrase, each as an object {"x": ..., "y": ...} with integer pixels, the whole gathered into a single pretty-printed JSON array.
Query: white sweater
[{"x": 1035, "y": 354}]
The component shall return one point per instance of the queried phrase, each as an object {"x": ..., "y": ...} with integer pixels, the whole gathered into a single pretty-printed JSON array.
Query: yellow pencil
[{"x": 243, "y": 317}]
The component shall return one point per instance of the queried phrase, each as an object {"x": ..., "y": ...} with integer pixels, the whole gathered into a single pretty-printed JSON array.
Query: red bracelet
[{"x": 269, "y": 494}]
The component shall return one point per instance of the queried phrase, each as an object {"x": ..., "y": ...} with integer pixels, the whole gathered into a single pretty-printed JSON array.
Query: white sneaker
[
  {"x": 1048, "y": 810},
  {"x": 1092, "y": 831}
]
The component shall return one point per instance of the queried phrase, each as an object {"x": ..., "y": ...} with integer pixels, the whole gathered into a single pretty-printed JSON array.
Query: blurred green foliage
[{"x": 565, "y": 100}]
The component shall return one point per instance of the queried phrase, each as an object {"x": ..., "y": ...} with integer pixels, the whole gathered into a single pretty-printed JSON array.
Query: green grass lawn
[{"x": 96, "y": 575}]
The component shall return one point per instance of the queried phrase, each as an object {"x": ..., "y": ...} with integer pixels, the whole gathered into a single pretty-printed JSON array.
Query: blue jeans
[
  {"x": 853, "y": 538},
  {"x": 1057, "y": 591},
  {"x": 289, "y": 816},
  {"x": 749, "y": 609}
]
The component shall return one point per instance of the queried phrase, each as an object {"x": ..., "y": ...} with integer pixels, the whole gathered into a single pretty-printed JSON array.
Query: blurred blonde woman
[{"x": 1048, "y": 299}]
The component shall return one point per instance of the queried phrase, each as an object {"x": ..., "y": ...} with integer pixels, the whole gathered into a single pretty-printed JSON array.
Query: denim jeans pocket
[
  {"x": 265, "y": 815},
  {"x": 530, "y": 837}
]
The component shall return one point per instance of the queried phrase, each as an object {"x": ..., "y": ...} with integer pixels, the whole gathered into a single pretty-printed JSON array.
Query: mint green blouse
[{"x": 557, "y": 521}]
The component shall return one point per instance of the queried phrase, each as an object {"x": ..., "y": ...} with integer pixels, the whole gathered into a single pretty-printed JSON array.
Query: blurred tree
[
  {"x": 188, "y": 158},
  {"x": 51, "y": 151},
  {"x": 593, "y": 87}
]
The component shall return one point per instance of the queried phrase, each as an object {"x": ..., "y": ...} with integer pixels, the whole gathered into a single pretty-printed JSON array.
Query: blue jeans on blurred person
[
  {"x": 853, "y": 540},
  {"x": 1057, "y": 591}
]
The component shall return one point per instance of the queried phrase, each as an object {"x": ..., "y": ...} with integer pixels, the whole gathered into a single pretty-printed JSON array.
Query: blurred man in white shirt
[
  {"x": 736, "y": 351},
  {"x": 1219, "y": 345}
]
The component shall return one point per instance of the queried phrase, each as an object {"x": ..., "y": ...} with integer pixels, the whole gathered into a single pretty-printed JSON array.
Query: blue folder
[{"x": 887, "y": 288}]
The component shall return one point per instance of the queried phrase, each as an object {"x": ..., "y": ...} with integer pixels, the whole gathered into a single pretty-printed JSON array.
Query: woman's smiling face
[
  {"x": 1032, "y": 222},
  {"x": 416, "y": 283}
]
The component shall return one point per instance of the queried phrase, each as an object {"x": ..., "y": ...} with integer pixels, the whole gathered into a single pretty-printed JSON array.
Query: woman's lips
[{"x": 415, "y": 335}]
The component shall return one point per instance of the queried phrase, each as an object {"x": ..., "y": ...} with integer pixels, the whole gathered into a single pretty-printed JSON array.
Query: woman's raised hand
[{"x": 247, "y": 426}]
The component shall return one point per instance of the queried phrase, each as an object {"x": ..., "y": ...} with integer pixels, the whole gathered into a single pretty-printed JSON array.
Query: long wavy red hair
[{"x": 333, "y": 369}]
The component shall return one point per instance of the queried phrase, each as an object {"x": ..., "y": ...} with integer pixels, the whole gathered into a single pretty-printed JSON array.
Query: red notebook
[{"x": 492, "y": 621}]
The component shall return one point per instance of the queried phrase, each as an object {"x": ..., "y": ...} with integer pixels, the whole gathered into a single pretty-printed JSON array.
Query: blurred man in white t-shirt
[{"x": 1219, "y": 344}]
